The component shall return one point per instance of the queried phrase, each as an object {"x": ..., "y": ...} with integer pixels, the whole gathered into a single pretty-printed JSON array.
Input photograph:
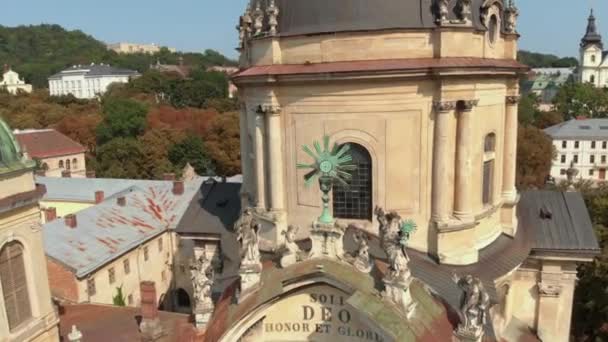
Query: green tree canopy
[
  {"x": 121, "y": 118},
  {"x": 581, "y": 99},
  {"x": 540, "y": 60},
  {"x": 120, "y": 158},
  {"x": 191, "y": 150},
  {"x": 535, "y": 154}
]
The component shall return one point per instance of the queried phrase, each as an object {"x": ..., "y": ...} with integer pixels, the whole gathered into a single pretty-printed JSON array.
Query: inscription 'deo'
[{"x": 325, "y": 314}]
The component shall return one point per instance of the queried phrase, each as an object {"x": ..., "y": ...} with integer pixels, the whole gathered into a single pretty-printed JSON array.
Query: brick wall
[{"x": 63, "y": 282}]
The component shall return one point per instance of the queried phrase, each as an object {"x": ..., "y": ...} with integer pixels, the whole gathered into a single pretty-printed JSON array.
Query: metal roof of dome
[
  {"x": 301, "y": 17},
  {"x": 11, "y": 157}
]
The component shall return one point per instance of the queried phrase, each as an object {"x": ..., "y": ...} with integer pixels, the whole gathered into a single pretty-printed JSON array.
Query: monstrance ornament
[{"x": 330, "y": 167}]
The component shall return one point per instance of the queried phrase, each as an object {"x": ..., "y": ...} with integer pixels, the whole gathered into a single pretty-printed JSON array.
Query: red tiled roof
[
  {"x": 384, "y": 65},
  {"x": 47, "y": 143},
  {"x": 102, "y": 323}
]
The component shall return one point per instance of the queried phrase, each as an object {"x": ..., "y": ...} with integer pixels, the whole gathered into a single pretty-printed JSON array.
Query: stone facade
[
  {"x": 20, "y": 232},
  {"x": 13, "y": 83}
]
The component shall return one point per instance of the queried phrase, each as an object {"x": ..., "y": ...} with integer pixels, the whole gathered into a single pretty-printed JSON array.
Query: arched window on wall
[
  {"x": 67, "y": 164},
  {"x": 489, "y": 148},
  {"x": 61, "y": 164},
  {"x": 14, "y": 285},
  {"x": 355, "y": 200},
  {"x": 592, "y": 79},
  {"x": 75, "y": 164},
  {"x": 592, "y": 58}
]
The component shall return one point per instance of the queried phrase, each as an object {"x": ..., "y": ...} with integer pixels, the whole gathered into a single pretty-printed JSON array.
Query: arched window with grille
[
  {"x": 355, "y": 200},
  {"x": 489, "y": 148},
  {"x": 75, "y": 164},
  {"x": 67, "y": 164},
  {"x": 14, "y": 285},
  {"x": 61, "y": 164}
]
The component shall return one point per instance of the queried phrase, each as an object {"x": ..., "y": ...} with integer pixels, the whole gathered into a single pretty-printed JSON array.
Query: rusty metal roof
[
  {"x": 47, "y": 143},
  {"x": 107, "y": 230}
]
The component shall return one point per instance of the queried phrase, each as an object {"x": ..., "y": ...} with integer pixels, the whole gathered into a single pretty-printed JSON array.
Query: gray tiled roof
[
  {"x": 106, "y": 231},
  {"x": 560, "y": 221},
  {"x": 94, "y": 70},
  {"x": 588, "y": 129}
]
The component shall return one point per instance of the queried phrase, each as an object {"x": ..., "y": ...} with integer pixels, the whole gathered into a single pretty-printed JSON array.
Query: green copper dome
[{"x": 11, "y": 157}]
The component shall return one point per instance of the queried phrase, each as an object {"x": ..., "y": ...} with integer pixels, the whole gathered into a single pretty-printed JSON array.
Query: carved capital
[
  {"x": 546, "y": 289},
  {"x": 268, "y": 109},
  {"x": 444, "y": 106},
  {"x": 513, "y": 100},
  {"x": 468, "y": 105}
]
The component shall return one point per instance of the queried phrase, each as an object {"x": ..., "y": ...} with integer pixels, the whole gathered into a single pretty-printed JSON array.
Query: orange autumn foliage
[{"x": 191, "y": 120}]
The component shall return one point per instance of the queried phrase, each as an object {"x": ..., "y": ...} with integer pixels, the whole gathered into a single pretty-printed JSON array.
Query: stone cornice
[{"x": 512, "y": 99}]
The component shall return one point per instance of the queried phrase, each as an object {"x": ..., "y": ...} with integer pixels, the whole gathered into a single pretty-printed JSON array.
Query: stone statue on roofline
[
  {"x": 290, "y": 252},
  {"x": 248, "y": 238},
  {"x": 202, "y": 275},
  {"x": 474, "y": 307},
  {"x": 362, "y": 260}
]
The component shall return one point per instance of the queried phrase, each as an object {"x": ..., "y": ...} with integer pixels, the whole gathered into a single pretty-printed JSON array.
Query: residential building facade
[
  {"x": 88, "y": 81},
  {"x": 130, "y": 48},
  {"x": 593, "y": 60},
  {"x": 125, "y": 235},
  {"x": 13, "y": 83},
  {"x": 581, "y": 144},
  {"x": 57, "y": 154},
  {"x": 26, "y": 310}
]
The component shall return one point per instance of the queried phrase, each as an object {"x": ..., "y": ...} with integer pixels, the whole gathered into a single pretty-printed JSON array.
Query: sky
[{"x": 547, "y": 26}]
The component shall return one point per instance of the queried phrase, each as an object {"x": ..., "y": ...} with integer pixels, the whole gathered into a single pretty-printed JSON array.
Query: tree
[
  {"x": 156, "y": 144},
  {"x": 581, "y": 99},
  {"x": 539, "y": 60},
  {"x": 120, "y": 158},
  {"x": 535, "y": 153},
  {"x": 223, "y": 144},
  {"x": 119, "y": 298},
  {"x": 81, "y": 128},
  {"x": 122, "y": 118},
  {"x": 528, "y": 109},
  {"x": 191, "y": 150},
  {"x": 193, "y": 93},
  {"x": 548, "y": 119}
]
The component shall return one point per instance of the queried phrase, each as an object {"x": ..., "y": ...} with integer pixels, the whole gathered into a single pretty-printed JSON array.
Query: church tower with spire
[{"x": 593, "y": 67}]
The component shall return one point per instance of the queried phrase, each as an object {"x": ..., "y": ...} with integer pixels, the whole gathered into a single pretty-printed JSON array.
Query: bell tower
[{"x": 591, "y": 54}]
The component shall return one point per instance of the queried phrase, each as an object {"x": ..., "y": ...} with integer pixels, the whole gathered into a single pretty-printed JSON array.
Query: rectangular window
[
  {"x": 111, "y": 276},
  {"x": 575, "y": 159},
  {"x": 593, "y": 144},
  {"x": 591, "y": 172},
  {"x": 564, "y": 144},
  {"x": 488, "y": 176},
  {"x": 604, "y": 143},
  {"x": 576, "y": 144},
  {"x": 91, "y": 290},
  {"x": 146, "y": 253},
  {"x": 130, "y": 299},
  {"x": 562, "y": 172},
  {"x": 592, "y": 159},
  {"x": 160, "y": 244},
  {"x": 603, "y": 159},
  {"x": 563, "y": 158},
  {"x": 126, "y": 266}
]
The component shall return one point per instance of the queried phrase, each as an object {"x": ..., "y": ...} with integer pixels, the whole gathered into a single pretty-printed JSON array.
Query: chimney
[
  {"x": 178, "y": 187},
  {"x": 90, "y": 174},
  {"x": 150, "y": 326},
  {"x": 70, "y": 221},
  {"x": 169, "y": 176},
  {"x": 50, "y": 214},
  {"x": 121, "y": 201},
  {"x": 40, "y": 173},
  {"x": 66, "y": 174},
  {"x": 99, "y": 197},
  {"x": 41, "y": 189}
]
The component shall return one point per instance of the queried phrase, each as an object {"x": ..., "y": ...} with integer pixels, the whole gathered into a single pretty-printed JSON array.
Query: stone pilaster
[
  {"x": 463, "y": 209},
  {"x": 509, "y": 192},
  {"x": 260, "y": 170},
  {"x": 245, "y": 159},
  {"x": 555, "y": 296},
  {"x": 441, "y": 206},
  {"x": 275, "y": 156}
]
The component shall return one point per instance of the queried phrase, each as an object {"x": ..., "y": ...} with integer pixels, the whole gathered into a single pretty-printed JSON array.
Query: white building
[
  {"x": 582, "y": 144},
  {"x": 12, "y": 83},
  {"x": 593, "y": 59},
  {"x": 129, "y": 48},
  {"x": 88, "y": 81}
]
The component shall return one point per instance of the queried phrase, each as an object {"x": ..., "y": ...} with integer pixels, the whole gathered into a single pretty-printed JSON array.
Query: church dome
[{"x": 299, "y": 17}]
